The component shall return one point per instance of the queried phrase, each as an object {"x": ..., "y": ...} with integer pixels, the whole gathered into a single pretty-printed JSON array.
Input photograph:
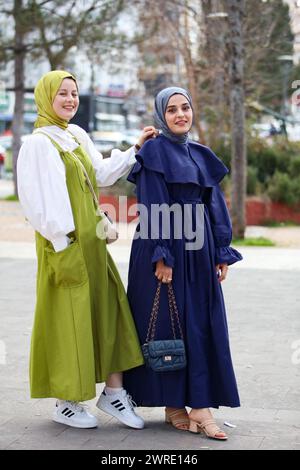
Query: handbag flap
[{"x": 174, "y": 347}]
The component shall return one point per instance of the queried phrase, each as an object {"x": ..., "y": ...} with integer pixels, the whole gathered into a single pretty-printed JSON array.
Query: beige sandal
[
  {"x": 178, "y": 418},
  {"x": 208, "y": 427}
]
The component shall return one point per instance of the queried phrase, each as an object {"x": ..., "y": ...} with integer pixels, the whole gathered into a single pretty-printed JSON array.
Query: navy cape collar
[{"x": 179, "y": 163}]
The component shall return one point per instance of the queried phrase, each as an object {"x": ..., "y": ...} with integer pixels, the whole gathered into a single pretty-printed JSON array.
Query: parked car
[
  {"x": 105, "y": 141},
  {"x": 131, "y": 136},
  {"x": 6, "y": 140}
]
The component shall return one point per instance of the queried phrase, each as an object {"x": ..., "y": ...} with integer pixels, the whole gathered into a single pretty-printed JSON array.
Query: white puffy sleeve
[
  {"x": 43, "y": 190},
  {"x": 108, "y": 170}
]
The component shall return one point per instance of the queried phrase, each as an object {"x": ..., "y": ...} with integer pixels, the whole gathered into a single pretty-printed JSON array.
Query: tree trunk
[
  {"x": 238, "y": 156},
  {"x": 18, "y": 118}
]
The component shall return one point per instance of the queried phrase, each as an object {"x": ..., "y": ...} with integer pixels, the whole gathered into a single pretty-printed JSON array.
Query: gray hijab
[{"x": 161, "y": 102}]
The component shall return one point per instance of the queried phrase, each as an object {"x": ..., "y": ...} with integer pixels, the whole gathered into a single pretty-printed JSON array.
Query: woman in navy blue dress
[{"x": 173, "y": 171}]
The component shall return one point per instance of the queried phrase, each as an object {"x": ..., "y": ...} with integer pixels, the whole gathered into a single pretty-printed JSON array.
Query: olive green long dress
[{"x": 83, "y": 329}]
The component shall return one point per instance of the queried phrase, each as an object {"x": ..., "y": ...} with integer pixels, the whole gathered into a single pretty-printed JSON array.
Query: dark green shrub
[
  {"x": 294, "y": 166},
  {"x": 223, "y": 151},
  {"x": 251, "y": 180},
  {"x": 282, "y": 188},
  {"x": 264, "y": 159}
]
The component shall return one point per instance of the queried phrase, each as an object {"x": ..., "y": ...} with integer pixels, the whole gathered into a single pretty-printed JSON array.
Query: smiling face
[
  {"x": 179, "y": 115},
  {"x": 66, "y": 101}
]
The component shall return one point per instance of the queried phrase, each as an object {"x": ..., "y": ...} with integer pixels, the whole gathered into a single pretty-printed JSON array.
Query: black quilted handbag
[{"x": 164, "y": 355}]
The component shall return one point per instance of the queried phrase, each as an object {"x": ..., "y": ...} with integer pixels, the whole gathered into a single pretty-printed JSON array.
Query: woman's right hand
[
  {"x": 148, "y": 132},
  {"x": 163, "y": 273}
]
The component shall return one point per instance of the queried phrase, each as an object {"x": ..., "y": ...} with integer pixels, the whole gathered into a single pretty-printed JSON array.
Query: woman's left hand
[
  {"x": 222, "y": 270},
  {"x": 163, "y": 273},
  {"x": 148, "y": 133}
]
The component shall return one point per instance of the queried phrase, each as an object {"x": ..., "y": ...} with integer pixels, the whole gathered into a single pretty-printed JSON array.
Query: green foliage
[
  {"x": 259, "y": 241},
  {"x": 12, "y": 197},
  {"x": 275, "y": 223},
  {"x": 284, "y": 188},
  {"x": 272, "y": 169},
  {"x": 251, "y": 180},
  {"x": 294, "y": 166},
  {"x": 263, "y": 159},
  {"x": 223, "y": 150}
]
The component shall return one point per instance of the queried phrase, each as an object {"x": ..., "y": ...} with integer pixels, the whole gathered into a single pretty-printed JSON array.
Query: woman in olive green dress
[{"x": 83, "y": 331}]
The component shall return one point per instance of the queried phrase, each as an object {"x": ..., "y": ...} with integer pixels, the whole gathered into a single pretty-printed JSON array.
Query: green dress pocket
[{"x": 66, "y": 268}]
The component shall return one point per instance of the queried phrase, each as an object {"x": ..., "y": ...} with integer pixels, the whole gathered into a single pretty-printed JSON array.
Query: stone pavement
[{"x": 263, "y": 306}]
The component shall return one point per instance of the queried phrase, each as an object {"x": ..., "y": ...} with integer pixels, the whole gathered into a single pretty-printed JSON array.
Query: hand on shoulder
[{"x": 148, "y": 132}]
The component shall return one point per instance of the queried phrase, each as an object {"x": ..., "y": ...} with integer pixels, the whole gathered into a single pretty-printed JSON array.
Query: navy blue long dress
[{"x": 168, "y": 172}]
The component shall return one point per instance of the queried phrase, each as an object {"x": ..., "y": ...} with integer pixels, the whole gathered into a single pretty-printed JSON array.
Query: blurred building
[
  {"x": 112, "y": 112},
  {"x": 7, "y": 101}
]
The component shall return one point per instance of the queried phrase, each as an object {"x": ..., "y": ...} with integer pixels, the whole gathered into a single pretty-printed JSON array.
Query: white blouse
[{"x": 42, "y": 184}]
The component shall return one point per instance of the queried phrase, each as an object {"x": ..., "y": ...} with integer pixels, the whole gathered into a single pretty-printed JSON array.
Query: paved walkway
[{"x": 263, "y": 305}]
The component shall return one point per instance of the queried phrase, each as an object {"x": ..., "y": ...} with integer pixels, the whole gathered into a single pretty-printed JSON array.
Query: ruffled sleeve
[
  {"x": 152, "y": 192},
  {"x": 162, "y": 252},
  {"x": 227, "y": 254},
  {"x": 221, "y": 228}
]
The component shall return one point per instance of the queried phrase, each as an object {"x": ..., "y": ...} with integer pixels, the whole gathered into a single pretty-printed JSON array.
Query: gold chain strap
[
  {"x": 173, "y": 311},
  {"x": 154, "y": 313},
  {"x": 172, "y": 301}
]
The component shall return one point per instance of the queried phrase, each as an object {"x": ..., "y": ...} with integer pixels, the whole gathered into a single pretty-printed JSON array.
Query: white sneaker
[
  {"x": 120, "y": 405},
  {"x": 73, "y": 414}
]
